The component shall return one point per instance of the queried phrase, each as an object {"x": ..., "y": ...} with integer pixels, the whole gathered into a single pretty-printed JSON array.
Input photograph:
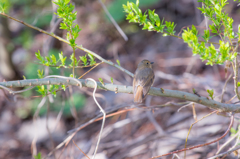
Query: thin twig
[
  {"x": 59, "y": 115},
  {"x": 35, "y": 116},
  {"x": 225, "y": 85},
  {"x": 15, "y": 92},
  {"x": 175, "y": 156},
  {"x": 237, "y": 141},
  {"x": 224, "y": 153},
  {"x": 194, "y": 112},
  {"x": 152, "y": 119},
  {"x": 90, "y": 70},
  {"x": 184, "y": 106},
  {"x": 69, "y": 138},
  {"x": 113, "y": 21},
  {"x": 230, "y": 140},
  {"x": 232, "y": 98},
  {"x": 205, "y": 17},
  {"x": 191, "y": 128},
  {"x": 201, "y": 145},
  {"x": 48, "y": 130},
  {"x": 236, "y": 78},
  {"x": 80, "y": 149}
]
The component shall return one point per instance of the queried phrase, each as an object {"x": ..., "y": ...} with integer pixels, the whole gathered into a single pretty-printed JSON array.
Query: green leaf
[
  {"x": 54, "y": 60},
  {"x": 213, "y": 29},
  {"x": 206, "y": 35},
  {"x": 170, "y": 27},
  {"x": 137, "y": 3},
  {"x": 42, "y": 90},
  {"x": 233, "y": 131},
  {"x": 238, "y": 84},
  {"x": 62, "y": 59},
  {"x": 210, "y": 93},
  {"x": 111, "y": 80},
  {"x": 84, "y": 60},
  {"x": 38, "y": 55},
  {"x": 40, "y": 74},
  {"x": 63, "y": 87},
  {"x": 194, "y": 91},
  {"x": 92, "y": 59},
  {"x": 194, "y": 30},
  {"x": 118, "y": 62},
  {"x": 135, "y": 8},
  {"x": 4, "y": 6},
  {"x": 63, "y": 26},
  {"x": 101, "y": 81},
  {"x": 38, "y": 156}
]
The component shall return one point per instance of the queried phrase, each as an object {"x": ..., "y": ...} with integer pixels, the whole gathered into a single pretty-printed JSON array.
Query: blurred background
[{"x": 136, "y": 134}]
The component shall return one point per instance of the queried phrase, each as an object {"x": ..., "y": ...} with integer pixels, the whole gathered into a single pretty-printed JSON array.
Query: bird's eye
[{"x": 147, "y": 63}]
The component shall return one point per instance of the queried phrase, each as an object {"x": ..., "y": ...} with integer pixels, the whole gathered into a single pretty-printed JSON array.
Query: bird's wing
[{"x": 145, "y": 81}]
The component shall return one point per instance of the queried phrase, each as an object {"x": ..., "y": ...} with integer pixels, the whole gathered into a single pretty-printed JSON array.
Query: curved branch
[{"x": 222, "y": 107}]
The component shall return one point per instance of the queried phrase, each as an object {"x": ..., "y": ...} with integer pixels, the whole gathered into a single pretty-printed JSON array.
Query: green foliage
[
  {"x": 91, "y": 59},
  {"x": 4, "y": 6},
  {"x": 73, "y": 59},
  {"x": 116, "y": 10},
  {"x": 62, "y": 59},
  {"x": 53, "y": 89},
  {"x": 38, "y": 156},
  {"x": 50, "y": 60},
  {"x": 194, "y": 91},
  {"x": 42, "y": 90},
  {"x": 40, "y": 74},
  {"x": 221, "y": 26},
  {"x": 63, "y": 87},
  {"x": 111, "y": 80},
  {"x": 238, "y": 84},
  {"x": 150, "y": 21},
  {"x": 233, "y": 131},
  {"x": 101, "y": 81},
  {"x": 84, "y": 60},
  {"x": 210, "y": 93},
  {"x": 65, "y": 11},
  {"x": 118, "y": 62}
]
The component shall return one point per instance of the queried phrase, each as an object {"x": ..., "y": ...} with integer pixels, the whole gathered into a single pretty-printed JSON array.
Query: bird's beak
[{"x": 152, "y": 62}]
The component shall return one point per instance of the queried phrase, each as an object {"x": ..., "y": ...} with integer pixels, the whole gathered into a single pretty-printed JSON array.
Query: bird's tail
[{"x": 138, "y": 96}]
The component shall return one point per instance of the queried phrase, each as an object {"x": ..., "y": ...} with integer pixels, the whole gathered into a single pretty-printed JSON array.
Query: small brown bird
[{"x": 143, "y": 80}]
